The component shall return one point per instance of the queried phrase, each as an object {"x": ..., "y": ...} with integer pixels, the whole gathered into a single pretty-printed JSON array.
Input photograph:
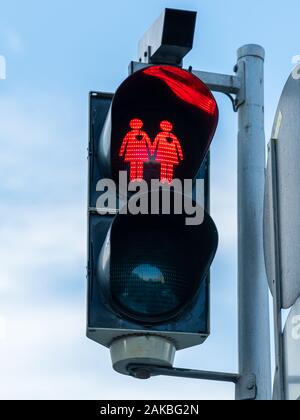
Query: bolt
[
  {"x": 251, "y": 385},
  {"x": 142, "y": 374}
]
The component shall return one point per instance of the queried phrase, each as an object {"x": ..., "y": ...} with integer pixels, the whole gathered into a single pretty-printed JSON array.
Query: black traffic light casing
[{"x": 146, "y": 253}]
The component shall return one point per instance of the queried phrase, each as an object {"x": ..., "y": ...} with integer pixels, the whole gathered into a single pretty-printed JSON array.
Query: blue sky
[{"x": 57, "y": 52}]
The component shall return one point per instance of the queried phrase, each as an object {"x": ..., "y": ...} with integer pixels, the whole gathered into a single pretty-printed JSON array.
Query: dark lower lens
[
  {"x": 148, "y": 291},
  {"x": 157, "y": 265}
]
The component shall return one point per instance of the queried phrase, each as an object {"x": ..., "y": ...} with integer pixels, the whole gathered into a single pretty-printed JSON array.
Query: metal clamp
[
  {"x": 247, "y": 383},
  {"x": 241, "y": 94}
]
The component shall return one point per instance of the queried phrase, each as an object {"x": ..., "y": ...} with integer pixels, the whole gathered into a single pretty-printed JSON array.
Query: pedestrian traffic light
[{"x": 148, "y": 273}]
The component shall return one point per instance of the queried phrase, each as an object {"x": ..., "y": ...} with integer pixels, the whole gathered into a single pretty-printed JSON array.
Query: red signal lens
[
  {"x": 185, "y": 87},
  {"x": 163, "y": 120}
]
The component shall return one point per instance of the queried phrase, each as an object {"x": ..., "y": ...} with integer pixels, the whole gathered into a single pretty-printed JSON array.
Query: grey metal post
[{"x": 253, "y": 298}]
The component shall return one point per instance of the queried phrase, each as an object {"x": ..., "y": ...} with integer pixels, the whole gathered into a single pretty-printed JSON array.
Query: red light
[
  {"x": 186, "y": 86},
  {"x": 135, "y": 149},
  {"x": 167, "y": 151},
  {"x": 138, "y": 149},
  {"x": 163, "y": 120}
]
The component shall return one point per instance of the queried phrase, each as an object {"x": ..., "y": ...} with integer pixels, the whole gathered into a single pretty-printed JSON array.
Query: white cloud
[
  {"x": 42, "y": 212},
  {"x": 3, "y": 328},
  {"x": 41, "y": 151},
  {"x": 224, "y": 213},
  {"x": 34, "y": 241},
  {"x": 2, "y": 67}
]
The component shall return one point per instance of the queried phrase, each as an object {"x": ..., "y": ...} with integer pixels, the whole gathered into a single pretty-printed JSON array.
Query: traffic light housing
[{"x": 148, "y": 274}]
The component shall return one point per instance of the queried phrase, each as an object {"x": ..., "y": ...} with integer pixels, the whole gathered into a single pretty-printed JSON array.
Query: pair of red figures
[{"x": 137, "y": 149}]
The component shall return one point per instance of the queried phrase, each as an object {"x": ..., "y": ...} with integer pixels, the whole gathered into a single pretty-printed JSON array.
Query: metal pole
[{"x": 253, "y": 298}]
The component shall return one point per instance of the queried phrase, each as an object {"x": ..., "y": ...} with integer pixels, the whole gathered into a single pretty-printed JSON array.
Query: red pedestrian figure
[
  {"x": 136, "y": 147},
  {"x": 169, "y": 151}
]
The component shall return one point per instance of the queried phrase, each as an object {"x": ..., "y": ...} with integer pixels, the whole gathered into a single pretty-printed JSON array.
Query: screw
[
  {"x": 142, "y": 374},
  {"x": 251, "y": 385}
]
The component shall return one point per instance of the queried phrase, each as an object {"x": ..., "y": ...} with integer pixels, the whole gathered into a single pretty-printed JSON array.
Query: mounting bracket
[{"x": 247, "y": 384}]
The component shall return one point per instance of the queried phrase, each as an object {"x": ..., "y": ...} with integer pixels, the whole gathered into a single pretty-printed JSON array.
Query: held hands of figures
[{"x": 136, "y": 142}]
